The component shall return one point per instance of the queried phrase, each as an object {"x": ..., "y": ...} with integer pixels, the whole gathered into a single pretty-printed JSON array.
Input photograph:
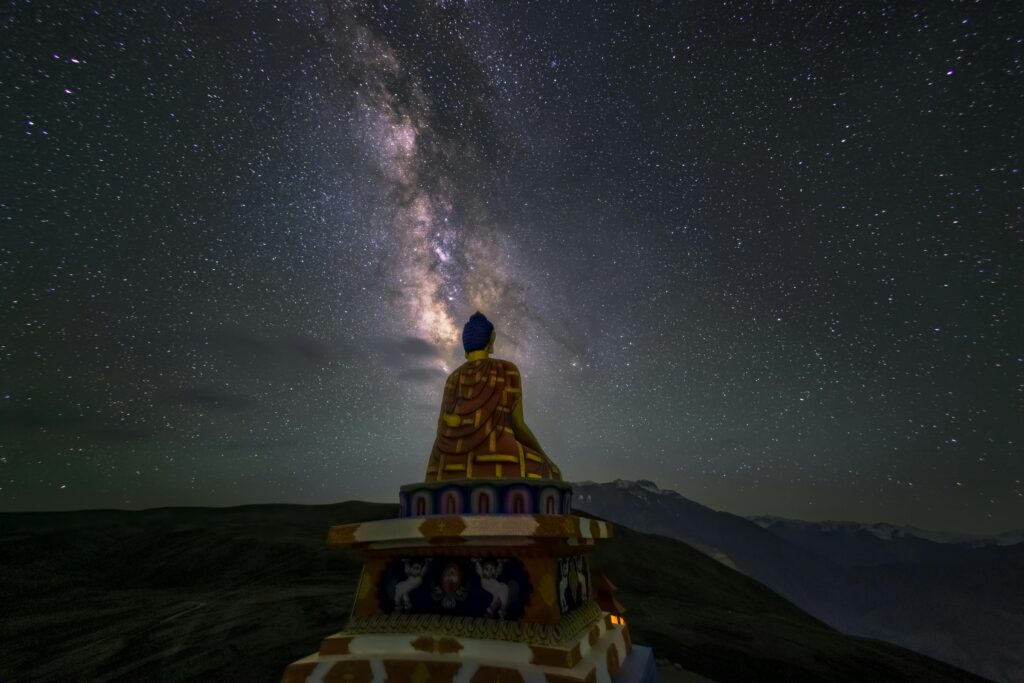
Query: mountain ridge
[
  {"x": 887, "y": 531},
  {"x": 955, "y": 602}
]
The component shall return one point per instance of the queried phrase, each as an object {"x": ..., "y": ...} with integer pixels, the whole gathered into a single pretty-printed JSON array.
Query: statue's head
[{"x": 478, "y": 333}]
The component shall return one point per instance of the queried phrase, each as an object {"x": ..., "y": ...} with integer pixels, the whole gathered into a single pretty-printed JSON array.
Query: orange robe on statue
[{"x": 475, "y": 432}]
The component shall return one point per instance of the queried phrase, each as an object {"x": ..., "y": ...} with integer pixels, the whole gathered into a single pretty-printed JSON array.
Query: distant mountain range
[
  {"x": 955, "y": 598},
  {"x": 889, "y": 532},
  {"x": 234, "y": 594},
  {"x": 851, "y": 544}
]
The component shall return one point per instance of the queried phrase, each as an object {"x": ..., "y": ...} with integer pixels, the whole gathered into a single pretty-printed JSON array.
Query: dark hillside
[{"x": 235, "y": 594}]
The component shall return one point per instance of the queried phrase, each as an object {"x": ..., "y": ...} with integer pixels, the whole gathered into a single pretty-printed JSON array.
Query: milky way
[{"x": 769, "y": 256}]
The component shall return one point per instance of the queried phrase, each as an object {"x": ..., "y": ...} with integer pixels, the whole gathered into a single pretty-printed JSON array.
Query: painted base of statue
[{"x": 474, "y": 597}]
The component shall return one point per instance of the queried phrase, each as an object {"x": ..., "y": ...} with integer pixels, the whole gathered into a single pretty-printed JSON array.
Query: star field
[{"x": 769, "y": 255}]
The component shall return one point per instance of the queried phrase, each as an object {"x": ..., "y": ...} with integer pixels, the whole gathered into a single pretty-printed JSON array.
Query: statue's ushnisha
[
  {"x": 485, "y": 576},
  {"x": 481, "y": 432}
]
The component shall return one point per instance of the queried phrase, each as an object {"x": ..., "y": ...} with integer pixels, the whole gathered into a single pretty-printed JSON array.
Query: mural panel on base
[{"x": 458, "y": 586}]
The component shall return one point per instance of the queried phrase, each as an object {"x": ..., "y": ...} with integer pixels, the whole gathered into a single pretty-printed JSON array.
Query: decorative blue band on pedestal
[{"x": 486, "y": 497}]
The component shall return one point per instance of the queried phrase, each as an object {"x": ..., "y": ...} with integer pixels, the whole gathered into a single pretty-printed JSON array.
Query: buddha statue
[
  {"x": 485, "y": 575},
  {"x": 481, "y": 433}
]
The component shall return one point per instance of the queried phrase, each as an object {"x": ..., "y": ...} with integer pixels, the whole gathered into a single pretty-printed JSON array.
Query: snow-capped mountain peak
[
  {"x": 639, "y": 487},
  {"x": 891, "y": 532}
]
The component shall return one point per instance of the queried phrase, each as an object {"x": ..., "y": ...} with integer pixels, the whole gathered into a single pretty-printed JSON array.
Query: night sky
[{"x": 769, "y": 255}]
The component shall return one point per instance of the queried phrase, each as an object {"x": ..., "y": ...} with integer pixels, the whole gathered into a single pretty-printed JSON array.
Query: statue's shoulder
[
  {"x": 509, "y": 372},
  {"x": 453, "y": 377},
  {"x": 506, "y": 366},
  {"x": 491, "y": 365}
]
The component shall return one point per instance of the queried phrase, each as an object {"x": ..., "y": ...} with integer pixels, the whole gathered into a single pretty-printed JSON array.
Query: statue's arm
[
  {"x": 523, "y": 433},
  {"x": 446, "y": 399}
]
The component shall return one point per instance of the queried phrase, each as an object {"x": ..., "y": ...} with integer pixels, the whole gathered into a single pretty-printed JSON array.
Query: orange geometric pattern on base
[
  {"x": 385, "y": 658},
  {"x": 495, "y": 674},
  {"x": 435, "y": 672},
  {"x": 298, "y": 672},
  {"x": 352, "y": 671}
]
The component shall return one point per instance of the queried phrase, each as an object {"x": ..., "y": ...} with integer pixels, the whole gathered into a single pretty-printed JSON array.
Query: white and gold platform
[{"x": 475, "y": 598}]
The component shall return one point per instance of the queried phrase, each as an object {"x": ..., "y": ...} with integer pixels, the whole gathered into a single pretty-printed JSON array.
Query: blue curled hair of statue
[{"x": 476, "y": 334}]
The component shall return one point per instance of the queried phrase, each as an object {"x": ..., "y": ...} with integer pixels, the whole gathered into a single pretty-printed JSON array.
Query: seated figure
[{"x": 481, "y": 433}]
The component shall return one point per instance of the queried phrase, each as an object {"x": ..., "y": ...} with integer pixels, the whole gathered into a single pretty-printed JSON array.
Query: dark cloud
[
  {"x": 244, "y": 344},
  {"x": 115, "y": 434},
  {"x": 262, "y": 444},
  {"x": 20, "y": 419},
  {"x": 288, "y": 354},
  {"x": 419, "y": 348},
  {"x": 305, "y": 348},
  {"x": 414, "y": 359},
  {"x": 422, "y": 375},
  {"x": 205, "y": 397},
  {"x": 407, "y": 350}
]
